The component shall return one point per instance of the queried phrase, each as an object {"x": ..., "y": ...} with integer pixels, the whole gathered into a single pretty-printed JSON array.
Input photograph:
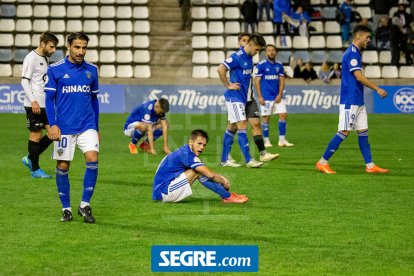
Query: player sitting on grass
[
  {"x": 178, "y": 171},
  {"x": 148, "y": 118}
]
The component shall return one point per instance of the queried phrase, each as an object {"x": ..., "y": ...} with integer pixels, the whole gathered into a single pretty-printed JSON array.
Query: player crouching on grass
[
  {"x": 148, "y": 119},
  {"x": 178, "y": 171}
]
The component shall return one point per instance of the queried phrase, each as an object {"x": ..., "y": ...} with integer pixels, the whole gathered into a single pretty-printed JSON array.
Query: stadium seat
[
  {"x": 200, "y": 72},
  {"x": 317, "y": 25},
  {"x": 107, "y": 56},
  {"x": 216, "y": 42},
  {"x": 22, "y": 40},
  {"x": 303, "y": 55},
  {"x": 365, "y": 12},
  {"x": 35, "y": 40},
  {"x": 74, "y": 1},
  {"x": 17, "y": 70},
  {"x": 141, "y": 41},
  {"x": 107, "y": 71},
  {"x": 215, "y": 27},
  {"x": 124, "y": 71},
  {"x": 200, "y": 57},
  {"x": 23, "y": 25},
  {"x": 7, "y": 25},
  {"x": 231, "y": 2},
  {"x": 315, "y": 2},
  {"x": 107, "y": 12},
  {"x": 389, "y": 72},
  {"x": 124, "y": 56},
  {"x": 62, "y": 41},
  {"x": 124, "y": 12},
  {"x": 8, "y": 11},
  {"x": 199, "y": 27},
  {"x": 91, "y": 26},
  {"x": 19, "y": 55},
  {"x": 142, "y": 56},
  {"x": 372, "y": 71},
  {"x": 265, "y": 27},
  {"x": 300, "y": 42},
  {"x": 385, "y": 57},
  {"x": 92, "y": 56},
  {"x": 270, "y": 39},
  {"x": 142, "y": 71},
  {"x": 124, "y": 41},
  {"x": 283, "y": 42},
  {"x": 215, "y": 13},
  {"x": 317, "y": 42},
  {"x": 406, "y": 72},
  {"x": 123, "y": 2},
  {"x": 107, "y": 41},
  {"x": 199, "y": 42},
  {"x": 40, "y": 25},
  {"x": 199, "y": 12},
  {"x": 140, "y": 12},
  {"x": 392, "y": 11},
  {"x": 362, "y": 2},
  {"x": 232, "y": 41},
  {"x": 57, "y": 26},
  {"x": 332, "y": 27},
  {"x": 214, "y": 2},
  {"x": 283, "y": 56},
  {"x": 6, "y": 55},
  {"x": 58, "y": 1},
  {"x": 57, "y": 11},
  {"x": 24, "y": 11},
  {"x": 232, "y": 27},
  {"x": 93, "y": 41},
  {"x": 91, "y": 11},
  {"x": 36, "y": 1},
  {"x": 288, "y": 71},
  {"x": 140, "y": 1},
  {"x": 329, "y": 12},
  {"x": 5, "y": 70},
  {"x": 318, "y": 57},
  {"x": 213, "y": 72},
  {"x": 216, "y": 57},
  {"x": 74, "y": 11},
  {"x": 107, "y": 1},
  {"x": 231, "y": 13},
  {"x": 334, "y": 42},
  {"x": 6, "y": 40},
  {"x": 198, "y": 2},
  {"x": 41, "y": 11},
  {"x": 142, "y": 27},
  {"x": 317, "y": 68},
  {"x": 124, "y": 26},
  {"x": 107, "y": 26},
  {"x": 73, "y": 26},
  {"x": 58, "y": 55},
  {"x": 370, "y": 57}
]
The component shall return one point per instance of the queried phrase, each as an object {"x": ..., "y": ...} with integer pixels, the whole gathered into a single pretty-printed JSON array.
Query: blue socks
[
  {"x": 89, "y": 180},
  {"x": 282, "y": 127},
  {"x": 213, "y": 186},
  {"x": 244, "y": 144},
  {"x": 157, "y": 134},
  {"x": 136, "y": 136},
  {"x": 265, "y": 129},
  {"x": 63, "y": 186},
  {"x": 334, "y": 145},
  {"x": 227, "y": 143},
  {"x": 364, "y": 146}
]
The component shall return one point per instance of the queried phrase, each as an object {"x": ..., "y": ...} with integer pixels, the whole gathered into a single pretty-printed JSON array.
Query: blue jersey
[
  {"x": 346, "y": 9},
  {"x": 240, "y": 65},
  {"x": 270, "y": 74},
  {"x": 143, "y": 113},
  {"x": 352, "y": 91},
  {"x": 171, "y": 167},
  {"x": 71, "y": 95}
]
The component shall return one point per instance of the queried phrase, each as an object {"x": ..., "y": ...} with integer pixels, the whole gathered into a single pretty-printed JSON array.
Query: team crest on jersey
[
  {"x": 354, "y": 62},
  {"x": 60, "y": 151},
  {"x": 147, "y": 117},
  {"x": 277, "y": 69},
  {"x": 88, "y": 74}
]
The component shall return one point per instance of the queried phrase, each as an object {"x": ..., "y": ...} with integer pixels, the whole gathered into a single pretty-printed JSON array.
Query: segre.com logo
[{"x": 224, "y": 258}]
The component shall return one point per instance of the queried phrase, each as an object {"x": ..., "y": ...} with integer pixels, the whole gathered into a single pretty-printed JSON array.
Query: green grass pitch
[{"x": 303, "y": 221}]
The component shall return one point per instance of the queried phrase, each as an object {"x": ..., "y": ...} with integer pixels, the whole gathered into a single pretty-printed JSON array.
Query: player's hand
[
  {"x": 99, "y": 136},
  {"x": 152, "y": 151},
  {"x": 35, "y": 107},
  {"x": 278, "y": 99},
  {"x": 226, "y": 183},
  {"x": 54, "y": 133},
  {"x": 167, "y": 149},
  {"x": 234, "y": 86},
  {"x": 382, "y": 93},
  {"x": 261, "y": 100}
]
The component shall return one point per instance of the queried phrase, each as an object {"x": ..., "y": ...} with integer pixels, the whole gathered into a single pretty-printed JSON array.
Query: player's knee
[
  {"x": 282, "y": 116},
  {"x": 232, "y": 127},
  {"x": 63, "y": 165}
]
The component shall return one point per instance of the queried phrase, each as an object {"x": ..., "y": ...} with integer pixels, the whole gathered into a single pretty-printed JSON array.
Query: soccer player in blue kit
[
  {"x": 72, "y": 108},
  {"x": 179, "y": 169},
  {"x": 270, "y": 83},
  {"x": 352, "y": 111},
  {"x": 240, "y": 66},
  {"x": 148, "y": 118}
]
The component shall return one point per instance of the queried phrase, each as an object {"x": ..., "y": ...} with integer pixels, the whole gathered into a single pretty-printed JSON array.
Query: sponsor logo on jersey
[
  {"x": 271, "y": 77},
  {"x": 247, "y": 71},
  {"x": 150, "y": 107},
  {"x": 76, "y": 89},
  {"x": 404, "y": 100}
]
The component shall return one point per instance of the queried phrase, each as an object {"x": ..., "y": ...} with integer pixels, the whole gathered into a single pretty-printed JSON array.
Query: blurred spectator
[
  {"x": 334, "y": 2},
  {"x": 345, "y": 8},
  {"x": 309, "y": 74},
  {"x": 324, "y": 72},
  {"x": 185, "y": 6},
  {"x": 410, "y": 42},
  {"x": 249, "y": 12},
  {"x": 396, "y": 39},
  {"x": 382, "y": 34},
  {"x": 281, "y": 15},
  {"x": 297, "y": 71},
  {"x": 304, "y": 19},
  {"x": 305, "y": 4},
  {"x": 365, "y": 22},
  {"x": 405, "y": 18},
  {"x": 264, "y": 4},
  {"x": 381, "y": 8},
  {"x": 335, "y": 72}
]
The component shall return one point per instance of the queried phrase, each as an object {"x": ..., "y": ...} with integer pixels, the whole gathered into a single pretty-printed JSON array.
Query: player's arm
[
  {"x": 366, "y": 82},
  {"x": 50, "y": 90},
  {"x": 95, "y": 107},
  {"x": 27, "y": 72},
  {"x": 164, "y": 127},
  {"x": 150, "y": 133},
  {"x": 222, "y": 72},
  {"x": 281, "y": 89},
  {"x": 213, "y": 176},
  {"x": 257, "y": 80}
]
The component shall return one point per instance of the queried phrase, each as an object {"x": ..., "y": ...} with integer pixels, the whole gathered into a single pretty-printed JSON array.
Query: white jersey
[{"x": 35, "y": 70}]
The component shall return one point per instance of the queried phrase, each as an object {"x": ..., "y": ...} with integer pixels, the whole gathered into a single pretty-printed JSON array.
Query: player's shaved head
[
  {"x": 78, "y": 35},
  {"x": 198, "y": 132}
]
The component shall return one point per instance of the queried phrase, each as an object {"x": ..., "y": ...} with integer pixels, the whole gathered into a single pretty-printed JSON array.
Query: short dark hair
[
  {"x": 49, "y": 37},
  {"x": 243, "y": 34},
  {"x": 77, "y": 35},
  {"x": 164, "y": 104},
  {"x": 270, "y": 45},
  {"x": 360, "y": 29},
  {"x": 257, "y": 39},
  {"x": 198, "y": 132}
]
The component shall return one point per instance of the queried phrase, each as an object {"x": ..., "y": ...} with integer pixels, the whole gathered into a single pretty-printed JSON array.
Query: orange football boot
[
  {"x": 133, "y": 148},
  {"x": 235, "y": 198},
  {"x": 324, "y": 168},
  {"x": 376, "y": 169}
]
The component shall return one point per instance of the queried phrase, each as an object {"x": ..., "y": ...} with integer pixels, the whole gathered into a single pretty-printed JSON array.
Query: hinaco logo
[{"x": 404, "y": 100}]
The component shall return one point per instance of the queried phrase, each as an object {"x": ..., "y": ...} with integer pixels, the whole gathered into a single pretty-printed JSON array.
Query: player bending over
[
  {"x": 148, "y": 119},
  {"x": 178, "y": 171}
]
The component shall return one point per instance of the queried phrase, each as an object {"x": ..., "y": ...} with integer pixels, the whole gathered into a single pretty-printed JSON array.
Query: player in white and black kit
[{"x": 33, "y": 81}]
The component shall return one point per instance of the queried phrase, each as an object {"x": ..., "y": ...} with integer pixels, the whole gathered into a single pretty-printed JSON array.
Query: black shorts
[
  {"x": 36, "y": 122},
  {"x": 252, "y": 109}
]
